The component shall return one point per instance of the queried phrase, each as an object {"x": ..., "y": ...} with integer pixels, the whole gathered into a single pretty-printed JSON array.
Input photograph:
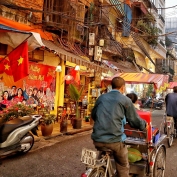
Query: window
[
  {"x": 51, "y": 6},
  {"x": 36, "y": 55},
  {"x": 3, "y": 49}
]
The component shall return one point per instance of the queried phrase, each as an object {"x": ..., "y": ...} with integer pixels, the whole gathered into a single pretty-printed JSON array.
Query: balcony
[
  {"x": 154, "y": 7},
  {"x": 161, "y": 42},
  {"x": 141, "y": 6},
  {"x": 160, "y": 17},
  {"x": 147, "y": 3},
  {"x": 171, "y": 71}
]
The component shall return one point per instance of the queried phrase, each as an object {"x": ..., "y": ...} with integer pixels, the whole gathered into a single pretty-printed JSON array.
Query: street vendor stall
[
  {"x": 172, "y": 84},
  {"x": 159, "y": 81}
]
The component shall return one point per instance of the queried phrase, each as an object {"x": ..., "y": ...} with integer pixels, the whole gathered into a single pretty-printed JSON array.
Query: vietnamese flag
[{"x": 19, "y": 63}]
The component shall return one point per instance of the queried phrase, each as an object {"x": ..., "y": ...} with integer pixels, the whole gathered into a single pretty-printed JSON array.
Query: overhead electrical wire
[{"x": 64, "y": 15}]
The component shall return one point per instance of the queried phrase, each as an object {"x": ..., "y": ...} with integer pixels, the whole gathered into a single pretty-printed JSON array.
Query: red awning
[
  {"x": 172, "y": 84},
  {"x": 159, "y": 80}
]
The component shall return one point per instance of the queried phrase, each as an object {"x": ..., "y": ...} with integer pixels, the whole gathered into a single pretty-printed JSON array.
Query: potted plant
[
  {"x": 75, "y": 96},
  {"x": 15, "y": 111},
  {"x": 46, "y": 123},
  {"x": 63, "y": 122}
]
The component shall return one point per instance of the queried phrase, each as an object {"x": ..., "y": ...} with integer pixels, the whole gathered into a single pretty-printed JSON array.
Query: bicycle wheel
[
  {"x": 170, "y": 134},
  {"x": 159, "y": 164},
  {"x": 98, "y": 172}
]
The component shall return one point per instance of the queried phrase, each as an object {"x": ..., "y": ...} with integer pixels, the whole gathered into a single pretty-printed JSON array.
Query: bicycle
[
  {"x": 98, "y": 165},
  {"x": 169, "y": 129},
  {"x": 153, "y": 165}
]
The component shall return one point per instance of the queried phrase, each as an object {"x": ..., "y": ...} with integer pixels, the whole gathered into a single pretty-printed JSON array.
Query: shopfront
[
  {"x": 43, "y": 82},
  {"x": 138, "y": 82}
]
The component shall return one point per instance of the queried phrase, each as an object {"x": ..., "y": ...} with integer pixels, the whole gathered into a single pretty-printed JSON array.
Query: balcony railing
[
  {"x": 154, "y": 7},
  {"x": 160, "y": 17},
  {"x": 161, "y": 42}
]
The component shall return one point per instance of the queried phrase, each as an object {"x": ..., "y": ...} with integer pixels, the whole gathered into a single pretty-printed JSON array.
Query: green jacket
[{"x": 108, "y": 113}]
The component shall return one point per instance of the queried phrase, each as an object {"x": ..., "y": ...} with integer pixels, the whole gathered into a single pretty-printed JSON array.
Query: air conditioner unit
[
  {"x": 90, "y": 51},
  {"x": 91, "y": 38},
  {"x": 98, "y": 53}
]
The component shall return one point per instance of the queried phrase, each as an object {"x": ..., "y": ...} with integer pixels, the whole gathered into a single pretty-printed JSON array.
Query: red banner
[{"x": 41, "y": 78}]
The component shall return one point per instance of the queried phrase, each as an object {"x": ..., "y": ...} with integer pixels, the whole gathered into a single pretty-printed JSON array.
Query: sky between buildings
[{"x": 170, "y": 12}]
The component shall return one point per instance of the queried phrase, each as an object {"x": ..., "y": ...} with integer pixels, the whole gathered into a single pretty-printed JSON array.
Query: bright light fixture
[
  {"x": 77, "y": 68},
  {"x": 58, "y": 68}
]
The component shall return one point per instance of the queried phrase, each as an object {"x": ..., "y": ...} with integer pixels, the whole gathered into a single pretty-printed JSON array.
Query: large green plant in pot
[{"x": 75, "y": 96}]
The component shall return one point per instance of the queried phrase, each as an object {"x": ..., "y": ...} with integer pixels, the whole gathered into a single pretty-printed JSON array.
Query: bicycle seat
[{"x": 105, "y": 149}]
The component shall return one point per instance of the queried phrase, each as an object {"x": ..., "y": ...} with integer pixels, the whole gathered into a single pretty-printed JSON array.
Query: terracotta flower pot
[
  {"x": 77, "y": 123},
  {"x": 63, "y": 126},
  {"x": 46, "y": 129}
]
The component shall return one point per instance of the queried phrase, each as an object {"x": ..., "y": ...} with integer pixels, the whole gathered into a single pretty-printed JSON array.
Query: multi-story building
[
  {"x": 137, "y": 25},
  {"x": 170, "y": 27},
  {"x": 85, "y": 32}
]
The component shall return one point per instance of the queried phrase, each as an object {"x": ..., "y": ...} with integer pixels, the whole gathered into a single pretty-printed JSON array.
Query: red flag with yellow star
[
  {"x": 19, "y": 63},
  {"x": 7, "y": 69}
]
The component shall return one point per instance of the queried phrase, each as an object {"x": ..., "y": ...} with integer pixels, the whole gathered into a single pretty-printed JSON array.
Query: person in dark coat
[{"x": 171, "y": 104}]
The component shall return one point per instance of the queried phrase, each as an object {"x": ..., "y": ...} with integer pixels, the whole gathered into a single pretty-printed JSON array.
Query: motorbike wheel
[{"x": 27, "y": 143}]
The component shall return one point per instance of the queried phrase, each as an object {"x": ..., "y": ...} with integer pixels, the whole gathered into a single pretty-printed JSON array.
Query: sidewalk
[
  {"x": 44, "y": 141},
  {"x": 41, "y": 141}
]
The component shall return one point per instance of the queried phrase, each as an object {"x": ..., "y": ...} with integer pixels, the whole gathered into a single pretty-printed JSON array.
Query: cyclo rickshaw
[{"x": 149, "y": 145}]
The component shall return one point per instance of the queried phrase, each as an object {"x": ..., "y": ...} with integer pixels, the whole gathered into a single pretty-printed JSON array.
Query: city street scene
[{"x": 88, "y": 88}]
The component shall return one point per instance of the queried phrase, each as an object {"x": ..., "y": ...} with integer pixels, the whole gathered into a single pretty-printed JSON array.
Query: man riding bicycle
[{"x": 109, "y": 115}]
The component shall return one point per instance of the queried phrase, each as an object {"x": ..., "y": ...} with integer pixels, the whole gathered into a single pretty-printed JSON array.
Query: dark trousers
[{"x": 120, "y": 154}]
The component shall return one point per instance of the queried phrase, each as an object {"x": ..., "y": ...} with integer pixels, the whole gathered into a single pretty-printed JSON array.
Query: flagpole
[{"x": 16, "y": 47}]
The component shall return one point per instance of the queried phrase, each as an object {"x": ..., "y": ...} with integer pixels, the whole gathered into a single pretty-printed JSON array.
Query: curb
[
  {"x": 70, "y": 132},
  {"x": 42, "y": 142},
  {"x": 78, "y": 131}
]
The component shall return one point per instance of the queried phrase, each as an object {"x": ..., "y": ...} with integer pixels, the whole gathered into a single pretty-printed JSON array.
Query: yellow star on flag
[
  {"x": 20, "y": 60},
  {"x": 7, "y": 67}
]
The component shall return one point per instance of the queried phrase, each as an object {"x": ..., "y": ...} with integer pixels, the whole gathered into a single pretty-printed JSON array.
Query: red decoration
[
  {"x": 1, "y": 67},
  {"x": 76, "y": 75},
  {"x": 19, "y": 61},
  {"x": 7, "y": 68}
]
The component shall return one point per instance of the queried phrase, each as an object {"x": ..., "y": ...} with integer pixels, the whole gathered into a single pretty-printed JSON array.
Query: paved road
[{"x": 63, "y": 158}]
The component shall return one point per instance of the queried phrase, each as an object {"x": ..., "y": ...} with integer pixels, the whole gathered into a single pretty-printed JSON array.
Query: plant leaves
[{"x": 74, "y": 93}]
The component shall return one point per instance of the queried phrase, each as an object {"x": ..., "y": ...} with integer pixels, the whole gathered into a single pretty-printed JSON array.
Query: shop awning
[
  {"x": 14, "y": 37},
  {"x": 172, "y": 84},
  {"x": 67, "y": 56},
  {"x": 22, "y": 27},
  {"x": 160, "y": 81}
]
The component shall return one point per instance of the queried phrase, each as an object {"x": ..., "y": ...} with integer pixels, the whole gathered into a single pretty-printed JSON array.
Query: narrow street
[{"x": 63, "y": 158}]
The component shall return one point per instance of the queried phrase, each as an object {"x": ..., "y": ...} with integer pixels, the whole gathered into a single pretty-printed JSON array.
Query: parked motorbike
[
  {"x": 15, "y": 136},
  {"x": 155, "y": 104}
]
